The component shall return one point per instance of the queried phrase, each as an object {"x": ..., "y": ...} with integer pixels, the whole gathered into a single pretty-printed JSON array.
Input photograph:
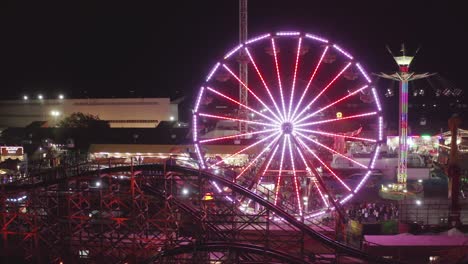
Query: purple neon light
[
  {"x": 316, "y": 38},
  {"x": 346, "y": 198},
  {"x": 374, "y": 159},
  {"x": 331, "y": 150},
  {"x": 236, "y": 119},
  {"x": 333, "y": 103},
  {"x": 288, "y": 33},
  {"x": 279, "y": 78},
  {"x": 294, "y": 78},
  {"x": 195, "y": 128},
  {"x": 243, "y": 105},
  {"x": 310, "y": 81},
  {"x": 334, "y": 135},
  {"x": 342, "y": 51},
  {"x": 264, "y": 83},
  {"x": 200, "y": 158},
  {"x": 197, "y": 104},
  {"x": 248, "y": 89},
  {"x": 336, "y": 119},
  {"x": 233, "y": 51},
  {"x": 325, "y": 165},
  {"x": 323, "y": 90},
  {"x": 363, "y": 73},
  {"x": 315, "y": 215},
  {"x": 376, "y": 99},
  {"x": 258, "y": 156},
  {"x": 294, "y": 175},
  {"x": 363, "y": 180},
  {"x": 252, "y": 40},
  {"x": 280, "y": 170},
  {"x": 212, "y": 71},
  {"x": 239, "y": 135},
  {"x": 269, "y": 161},
  {"x": 246, "y": 148},
  {"x": 308, "y": 169},
  {"x": 380, "y": 128}
]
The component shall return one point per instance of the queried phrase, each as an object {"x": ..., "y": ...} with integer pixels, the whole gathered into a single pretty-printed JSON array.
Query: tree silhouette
[{"x": 81, "y": 120}]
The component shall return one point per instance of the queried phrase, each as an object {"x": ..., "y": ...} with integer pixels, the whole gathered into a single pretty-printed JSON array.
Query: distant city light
[
  {"x": 420, "y": 180},
  {"x": 185, "y": 191},
  {"x": 171, "y": 118},
  {"x": 25, "y": 97},
  {"x": 40, "y": 97},
  {"x": 54, "y": 113},
  {"x": 61, "y": 96},
  {"x": 418, "y": 202},
  {"x": 98, "y": 183}
]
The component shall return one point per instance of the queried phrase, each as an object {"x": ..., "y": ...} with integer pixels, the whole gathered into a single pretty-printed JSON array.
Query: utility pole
[{"x": 453, "y": 172}]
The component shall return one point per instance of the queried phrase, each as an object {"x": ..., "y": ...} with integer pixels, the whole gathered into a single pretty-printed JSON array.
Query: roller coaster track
[{"x": 61, "y": 176}]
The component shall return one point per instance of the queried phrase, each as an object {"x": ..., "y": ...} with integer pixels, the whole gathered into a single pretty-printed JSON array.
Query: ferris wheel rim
[{"x": 289, "y": 113}]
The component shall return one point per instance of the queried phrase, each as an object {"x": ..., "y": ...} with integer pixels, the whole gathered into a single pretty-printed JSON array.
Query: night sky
[{"x": 159, "y": 49}]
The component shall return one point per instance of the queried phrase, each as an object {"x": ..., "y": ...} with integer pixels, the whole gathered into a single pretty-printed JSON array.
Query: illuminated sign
[{"x": 11, "y": 151}]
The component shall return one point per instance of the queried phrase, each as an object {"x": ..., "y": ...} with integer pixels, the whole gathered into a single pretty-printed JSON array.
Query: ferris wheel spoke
[
  {"x": 333, "y": 135},
  {"x": 313, "y": 180},
  {"x": 277, "y": 187},
  {"x": 294, "y": 78},
  {"x": 336, "y": 119},
  {"x": 237, "y": 119},
  {"x": 333, "y": 103},
  {"x": 258, "y": 156},
  {"x": 296, "y": 186},
  {"x": 325, "y": 165},
  {"x": 310, "y": 81},
  {"x": 250, "y": 91},
  {"x": 243, "y": 105},
  {"x": 269, "y": 161},
  {"x": 331, "y": 150},
  {"x": 322, "y": 91},
  {"x": 244, "y": 149},
  {"x": 264, "y": 83},
  {"x": 238, "y": 135},
  {"x": 279, "y": 77}
]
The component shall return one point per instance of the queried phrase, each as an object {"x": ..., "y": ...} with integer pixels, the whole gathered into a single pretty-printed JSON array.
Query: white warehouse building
[{"x": 119, "y": 112}]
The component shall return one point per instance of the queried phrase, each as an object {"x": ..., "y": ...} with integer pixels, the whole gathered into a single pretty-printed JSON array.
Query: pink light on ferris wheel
[
  {"x": 279, "y": 77},
  {"x": 322, "y": 91},
  {"x": 243, "y": 105},
  {"x": 277, "y": 187},
  {"x": 294, "y": 78},
  {"x": 284, "y": 120},
  {"x": 251, "y": 92},
  {"x": 258, "y": 156},
  {"x": 310, "y": 81},
  {"x": 244, "y": 149},
  {"x": 335, "y": 135},
  {"x": 257, "y": 38},
  {"x": 296, "y": 187},
  {"x": 336, "y": 119},
  {"x": 325, "y": 165},
  {"x": 333, "y": 103},
  {"x": 263, "y": 81},
  {"x": 332, "y": 151},
  {"x": 239, "y": 135}
]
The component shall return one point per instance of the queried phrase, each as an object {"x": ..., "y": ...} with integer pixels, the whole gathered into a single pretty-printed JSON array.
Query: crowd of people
[{"x": 372, "y": 212}]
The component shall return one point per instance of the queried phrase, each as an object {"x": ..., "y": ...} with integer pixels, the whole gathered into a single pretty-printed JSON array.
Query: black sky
[{"x": 165, "y": 48}]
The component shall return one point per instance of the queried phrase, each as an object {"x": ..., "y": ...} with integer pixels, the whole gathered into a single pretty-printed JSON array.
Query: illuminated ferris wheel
[{"x": 307, "y": 100}]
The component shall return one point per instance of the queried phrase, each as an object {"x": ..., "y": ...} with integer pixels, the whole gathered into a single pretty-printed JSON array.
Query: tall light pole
[
  {"x": 243, "y": 93},
  {"x": 404, "y": 76}
]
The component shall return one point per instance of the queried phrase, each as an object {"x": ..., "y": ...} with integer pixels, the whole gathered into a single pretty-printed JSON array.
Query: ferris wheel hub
[{"x": 287, "y": 127}]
